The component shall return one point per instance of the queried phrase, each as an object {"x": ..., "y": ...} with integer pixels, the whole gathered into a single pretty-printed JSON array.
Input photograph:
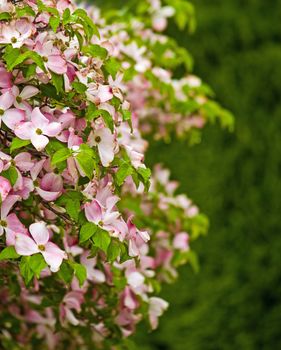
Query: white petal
[
  {"x": 25, "y": 245},
  {"x": 39, "y": 232}
]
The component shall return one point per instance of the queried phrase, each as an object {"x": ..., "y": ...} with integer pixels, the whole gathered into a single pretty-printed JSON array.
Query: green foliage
[
  {"x": 9, "y": 253},
  {"x": 234, "y": 302}
]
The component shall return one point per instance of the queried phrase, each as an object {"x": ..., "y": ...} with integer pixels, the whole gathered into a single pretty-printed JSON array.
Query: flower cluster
[{"x": 87, "y": 239}]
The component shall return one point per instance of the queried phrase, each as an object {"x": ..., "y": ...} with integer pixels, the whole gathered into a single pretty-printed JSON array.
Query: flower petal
[
  {"x": 13, "y": 117},
  {"x": 39, "y": 141},
  {"x": 25, "y": 245},
  {"x": 93, "y": 211},
  {"x": 53, "y": 256},
  {"x": 39, "y": 232}
]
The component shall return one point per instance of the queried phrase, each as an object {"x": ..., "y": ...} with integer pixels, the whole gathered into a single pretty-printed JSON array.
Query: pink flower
[
  {"x": 71, "y": 301},
  {"x": 39, "y": 243},
  {"x": 104, "y": 217},
  {"x": 136, "y": 238},
  {"x": 104, "y": 140},
  {"x": 181, "y": 241},
  {"x": 52, "y": 56},
  {"x": 5, "y": 78},
  {"x": 10, "y": 222},
  {"x": 99, "y": 93},
  {"x": 157, "y": 306},
  {"x": 5, "y": 188},
  {"x": 51, "y": 186},
  {"x": 38, "y": 129},
  {"x": 26, "y": 93},
  {"x": 93, "y": 274},
  {"x": 16, "y": 32}
]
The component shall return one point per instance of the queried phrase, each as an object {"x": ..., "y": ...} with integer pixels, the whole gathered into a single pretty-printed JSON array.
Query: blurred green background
[{"x": 235, "y": 300}]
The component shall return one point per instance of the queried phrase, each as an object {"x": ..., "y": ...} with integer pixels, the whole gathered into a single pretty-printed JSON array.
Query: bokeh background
[{"x": 234, "y": 302}]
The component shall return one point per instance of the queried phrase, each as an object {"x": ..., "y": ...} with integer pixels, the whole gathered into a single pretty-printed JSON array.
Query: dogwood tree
[{"x": 88, "y": 234}]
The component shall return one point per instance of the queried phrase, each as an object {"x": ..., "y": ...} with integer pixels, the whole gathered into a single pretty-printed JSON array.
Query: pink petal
[
  {"x": 39, "y": 141},
  {"x": 5, "y": 78},
  {"x": 6, "y": 100},
  {"x": 25, "y": 245},
  {"x": 38, "y": 119},
  {"x": 24, "y": 130},
  {"x": 48, "y": 195},
  {"x": 23, "y": 161},
  {"x": 13, "y": 117},
  {"x": 7, "y": 205},
  {"x": 28, "y": 91},
  {"x": 36, "y": 169},
  {"x": 39, "y": 232},
  {"x": 53, "y": 256},
  {"x": 53, "y": 129},
  {"x": 57, "y": 64},
  {"x": 104, "y": 93},
  {"x": 93, "y": 211},
  {"x": 51, "y": 182},
  {"x": 105, "y": 146},
  {"x": 5, "y": 188}
]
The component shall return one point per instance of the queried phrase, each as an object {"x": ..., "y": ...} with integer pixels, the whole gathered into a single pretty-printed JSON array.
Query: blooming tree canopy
[{"x": 87, "y": 233}]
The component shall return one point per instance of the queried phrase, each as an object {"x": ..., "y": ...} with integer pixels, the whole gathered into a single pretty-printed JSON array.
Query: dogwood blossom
[{"x": 39, "y": 243}]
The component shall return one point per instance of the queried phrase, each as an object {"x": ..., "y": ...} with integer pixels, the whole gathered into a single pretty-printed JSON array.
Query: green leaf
[
  {"x": 61, "y": 155},
  {"x": 53, "y": 146},
  {"x": 80, "y": 272},
  {"x": 49, "y": 90},
  {"x": 112, "y": 66},
  {"x": 125, "y": 169},
  {"x": 14, "y": 57},
  {"x": 193, "y": 259},
  {"x": 95, "y": 51},
  {"x": 30, "y": 70},
  {"x": 18, "y": 143},
  {"x": 127, "y": 116},
  {"x": 11, "y": 174},
  {"x": 113, "y": 251},
  {"x": 87, "y": 163},
  {"x": 79, "y": 87},
  {"x": 37, "y": 264},
  {"x": 58, "y": 82},
  {"x": 54, "y": 22},
  {"x": 101, "y": 239},
  {"x": 87, "y": 231},
  {"x": 72, "y": 208},
  {"x": 66, "y": 16},
  {"x": 5, "y": 16},
  {"x": 88, "y": 25},
  {"x": 25, "y": 11},
  {"x": 10, "y": 56},
  {"x": 106, "y": 116},
  {"x": 25, "y": 269},
  {"x": 65, "y": 272},
  {"x": 144, "y": 175},
  {"x": 9, "y": 253}
]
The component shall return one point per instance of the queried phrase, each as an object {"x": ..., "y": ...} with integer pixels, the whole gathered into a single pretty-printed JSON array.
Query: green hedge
[{"x": 234, "y": 302}]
